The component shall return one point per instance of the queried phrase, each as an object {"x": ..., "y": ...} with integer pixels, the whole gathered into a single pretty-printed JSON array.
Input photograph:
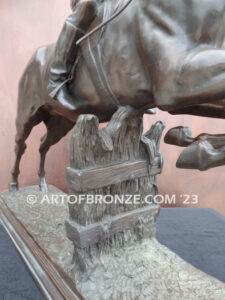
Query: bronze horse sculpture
[{"x": 168, "y": 54}]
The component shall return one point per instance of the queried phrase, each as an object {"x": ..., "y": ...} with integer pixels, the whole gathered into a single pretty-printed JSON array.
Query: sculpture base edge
[{"x": 147, "y": 269}]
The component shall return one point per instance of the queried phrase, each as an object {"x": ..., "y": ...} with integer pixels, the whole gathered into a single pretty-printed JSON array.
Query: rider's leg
[
  {"x": 201, "y": 79},
  {"x": 76, "y": 26}
]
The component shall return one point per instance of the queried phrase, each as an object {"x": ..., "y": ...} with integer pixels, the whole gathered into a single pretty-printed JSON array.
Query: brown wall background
[{"x": 24, "y": 26}]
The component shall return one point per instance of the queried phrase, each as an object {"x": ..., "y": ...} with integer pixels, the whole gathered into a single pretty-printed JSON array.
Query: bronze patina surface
[
  {"x": 165, "y": 54},
  {"x": 35, "y": 224},
  {"x": 152, "y": 54},
  {"x": 137, "y": 270}
]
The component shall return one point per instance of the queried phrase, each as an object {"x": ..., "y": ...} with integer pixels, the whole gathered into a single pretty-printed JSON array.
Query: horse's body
[{"x": 157, "y": 53}]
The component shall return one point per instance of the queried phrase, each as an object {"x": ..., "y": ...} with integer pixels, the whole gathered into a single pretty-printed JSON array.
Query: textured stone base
[
  {"x": 139, "y": 270},
  {"x": 37, "y": 230},
  {"x": 44, "y": 221},
  {"x": 148, "y": 271}
]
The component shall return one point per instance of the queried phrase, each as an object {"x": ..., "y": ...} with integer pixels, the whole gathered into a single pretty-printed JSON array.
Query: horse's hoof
[
  {"x": 179, "y": 136},
  {"x": 43, "y": 188},
  {"x": 196, "y": 156},
  {"x": 43, "y": 184},
  {"x": 13, "y": 186}
]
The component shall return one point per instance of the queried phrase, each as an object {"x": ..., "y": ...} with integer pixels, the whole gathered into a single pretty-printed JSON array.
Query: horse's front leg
[
  {"x": 57, "y": 128},
  {"x": 43, "y": 152},
  {"x": 182, "y": 136},
  {"x": 203, "y": 152},
  {"x": 211, "y": 110},
  {"x": 199, "y": 80},
  {"x": 202, "y": 156}
]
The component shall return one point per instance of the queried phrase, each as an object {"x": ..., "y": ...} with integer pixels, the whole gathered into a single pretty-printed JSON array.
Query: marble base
[{"x": 137, "y": 270}]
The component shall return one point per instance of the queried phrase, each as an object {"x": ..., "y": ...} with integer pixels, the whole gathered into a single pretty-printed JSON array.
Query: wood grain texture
[
  {"x": 115, "y": 161},
  {"x": 85, "y": 236},
  {"x": 94, "y": 178}
]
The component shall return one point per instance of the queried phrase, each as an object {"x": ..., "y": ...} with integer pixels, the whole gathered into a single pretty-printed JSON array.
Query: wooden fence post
[{"x": 116, "y": 164}]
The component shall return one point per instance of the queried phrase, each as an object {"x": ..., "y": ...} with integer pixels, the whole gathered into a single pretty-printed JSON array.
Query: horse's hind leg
[
  {"x": 23, "y": 131},
  {"x": 19, "y": 151},
  {"x": 57, "y": 128}
]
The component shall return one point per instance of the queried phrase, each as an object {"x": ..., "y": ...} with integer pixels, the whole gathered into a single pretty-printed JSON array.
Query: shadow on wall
[{"x": 25, "y": 25}]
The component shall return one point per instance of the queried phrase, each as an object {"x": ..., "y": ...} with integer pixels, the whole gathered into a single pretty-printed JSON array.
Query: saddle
[{"x": 91, "y": 51}]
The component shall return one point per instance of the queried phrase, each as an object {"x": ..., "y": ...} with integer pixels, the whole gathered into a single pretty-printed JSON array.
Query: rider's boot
[{"x": 75, "y": 27}]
